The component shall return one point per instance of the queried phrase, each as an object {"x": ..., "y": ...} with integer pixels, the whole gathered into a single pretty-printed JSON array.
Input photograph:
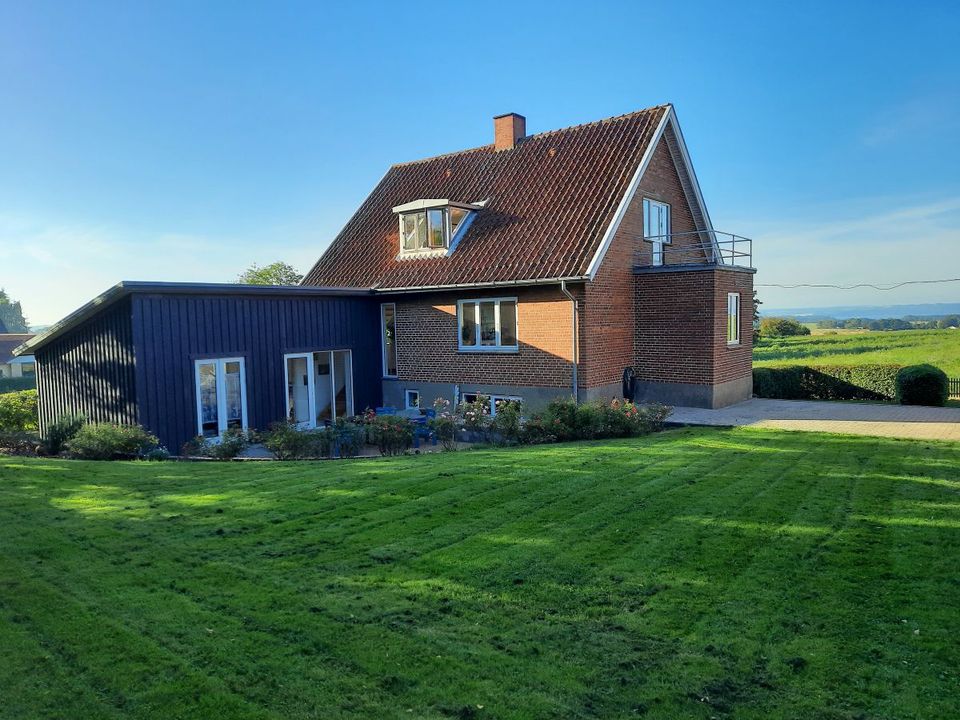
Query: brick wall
[
  {"x": 609, "y": 318},
  {"x": 681, "y": 326},
  {"x": 427, "y": 334}
]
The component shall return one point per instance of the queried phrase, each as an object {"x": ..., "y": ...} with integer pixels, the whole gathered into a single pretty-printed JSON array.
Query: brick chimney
[{"x": 507, "y": 129}]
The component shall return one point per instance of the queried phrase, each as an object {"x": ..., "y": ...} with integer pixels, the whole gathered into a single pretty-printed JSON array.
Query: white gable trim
[{"x": 669, "y": 119}]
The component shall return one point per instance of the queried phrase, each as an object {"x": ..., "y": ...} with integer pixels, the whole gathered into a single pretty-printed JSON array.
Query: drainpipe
[{"x": 574, "y": 325}]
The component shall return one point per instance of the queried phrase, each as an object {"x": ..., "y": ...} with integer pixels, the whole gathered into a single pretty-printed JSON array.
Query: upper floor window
[
  {"x": 488, "y": 324},
  {"x": 656, "y": 227},
  {"x": 432, "y": 226}
]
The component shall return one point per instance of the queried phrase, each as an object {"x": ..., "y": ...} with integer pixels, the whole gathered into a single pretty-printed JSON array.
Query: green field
[
  {"x": 902, "y": 347},
  {"x": 702, "y": 573}
]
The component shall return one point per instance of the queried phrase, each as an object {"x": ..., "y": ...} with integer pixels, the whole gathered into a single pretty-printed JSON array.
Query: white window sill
[
  {"x": 733, "y": 344},
  {"x": 489, "y": 349},
  {"x": 419, "y": 254}
]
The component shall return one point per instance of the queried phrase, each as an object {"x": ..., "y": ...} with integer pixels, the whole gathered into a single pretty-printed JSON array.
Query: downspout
[{"x": 575, "y": 333}]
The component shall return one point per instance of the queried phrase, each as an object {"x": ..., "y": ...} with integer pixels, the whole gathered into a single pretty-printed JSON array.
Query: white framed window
[
  {"x": 431, "y": 228},
  {"x": 221, "y": 391},
  {"x": 656, "y": 227},
  {"x": 487, "y": 325},
  {"x": 490, "y": 402},
  {"x": 411, "y": 399},
  {"x": 319, "y": 387},
  {"x": 388, "y": 339},
  {"x": 733, "y": 318}
]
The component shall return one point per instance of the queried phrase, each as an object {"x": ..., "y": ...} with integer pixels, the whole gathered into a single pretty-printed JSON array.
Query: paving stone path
[{"x": 899, "y": 421}]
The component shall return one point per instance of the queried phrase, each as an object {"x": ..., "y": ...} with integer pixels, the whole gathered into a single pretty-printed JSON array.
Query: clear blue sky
[{"x": 183, "y": 141}]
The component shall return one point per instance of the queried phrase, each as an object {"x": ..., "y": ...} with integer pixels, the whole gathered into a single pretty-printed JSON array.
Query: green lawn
[
  {"x": 696, "y": 573},
  {"x": 903, "y": 347}
]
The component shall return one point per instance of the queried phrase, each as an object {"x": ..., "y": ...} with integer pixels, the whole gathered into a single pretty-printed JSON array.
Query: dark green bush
[
  {"x": 826, "y": 382},
  {"x": 393, "y": 435},
  {"x": 111, "y": 442},
  {"x": 347, "y": 438},
  {"x": 9, "y": 385},
  {"x": 18, "y": 411},
  {"x": 19, "y": 442},
  {"x": 505, "y": 425},
  {"x": 566, "y": 420},
  {"x": 560, "y": 418},
  {"x": 782, "y": 327},
  {"x": 922, "y": 385},
  {"x": 62, "y": 431}
]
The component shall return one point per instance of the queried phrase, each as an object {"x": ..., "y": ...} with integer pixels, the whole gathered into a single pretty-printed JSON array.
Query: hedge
[
  {"x": 9, "y": 385},
  {"x": 826, "y": 382}
]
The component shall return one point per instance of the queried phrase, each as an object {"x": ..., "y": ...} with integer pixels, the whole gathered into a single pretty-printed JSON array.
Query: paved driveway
[{"x": 901, "y": 421}]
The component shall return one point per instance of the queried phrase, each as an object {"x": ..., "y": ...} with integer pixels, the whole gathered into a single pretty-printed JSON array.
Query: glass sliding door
[
  {"x": 221, "y": 388},
  {"x": 319, "y": 387},
  {"x": 342, "y": 383},
  {"x": 322, "y": 383}
]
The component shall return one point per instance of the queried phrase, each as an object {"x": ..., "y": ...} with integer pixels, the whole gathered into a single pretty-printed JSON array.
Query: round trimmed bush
[{"x": 922, "y": 385}]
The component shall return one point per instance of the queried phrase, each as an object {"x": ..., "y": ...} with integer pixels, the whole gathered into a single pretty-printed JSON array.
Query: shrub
[
  {"x": 826, "y": 382},
  {"x": 348, "y": 437},
  {"x": 232, "y": 442},
  {"x": 61, "y": 432},
  {"x": 535, "y": 431},
  {"x": 287, "y": 442},
  {"x": 782, "y": 327},
  {"x": 560, "y": 418},
  {"x": 158, "y": 454},
  {"x": 475, "y": 415},
  {"x": 111, "y": 442},
  {"x": 392, "y": 434},
  {"x": 18, "y": 411},
  {"x": 505, "y": 424},
  {"x": 443, "y": 424},
  {"x": 922, "y": 385},
  {"x": 13, "y": 442}
]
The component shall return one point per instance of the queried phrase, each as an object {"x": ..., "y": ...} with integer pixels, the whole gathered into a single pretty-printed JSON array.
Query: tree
[
  {"x": 278, "y": 273},
  {"x": 782, "y": 327},
  {"x": 11, "y": 315}
]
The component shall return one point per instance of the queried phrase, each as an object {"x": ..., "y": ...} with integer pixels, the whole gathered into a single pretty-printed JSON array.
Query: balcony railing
[{"x": 695, "y": 247}]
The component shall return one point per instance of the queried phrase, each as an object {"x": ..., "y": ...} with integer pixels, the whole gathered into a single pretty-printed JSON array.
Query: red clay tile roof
[{"x": 551, "y": 199}]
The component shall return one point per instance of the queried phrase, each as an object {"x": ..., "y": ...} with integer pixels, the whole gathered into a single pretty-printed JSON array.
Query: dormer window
[{"x": 432, "y": 227}]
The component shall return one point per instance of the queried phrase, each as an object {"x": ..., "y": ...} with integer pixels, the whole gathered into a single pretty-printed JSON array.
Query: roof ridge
[{"x": 614, "y": 118}]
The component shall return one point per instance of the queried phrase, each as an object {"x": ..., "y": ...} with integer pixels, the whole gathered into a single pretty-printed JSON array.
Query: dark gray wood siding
[
  {"x": 90, "y": 370},
  {"x": 171, "y": 332}
]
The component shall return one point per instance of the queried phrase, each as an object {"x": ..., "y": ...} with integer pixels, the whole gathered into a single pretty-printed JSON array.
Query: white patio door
[
  {"x": 319, "y": 387},
  {"x": 299, "y": 389}
]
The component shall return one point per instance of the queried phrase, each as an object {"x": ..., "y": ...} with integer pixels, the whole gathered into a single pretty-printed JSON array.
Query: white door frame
[{"x": 220, "y": 374}]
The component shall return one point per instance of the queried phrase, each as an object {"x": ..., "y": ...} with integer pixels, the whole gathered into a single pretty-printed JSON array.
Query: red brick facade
[
  {"x": 427, "y": 340},
  {"x": 669, "y": 325},
  {"x": 681, "y": 326}
]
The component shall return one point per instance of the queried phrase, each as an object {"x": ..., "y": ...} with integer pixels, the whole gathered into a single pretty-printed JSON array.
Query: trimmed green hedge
[
  {"x": 9, "y": 385},
  {"x": 826, "y": 382}
]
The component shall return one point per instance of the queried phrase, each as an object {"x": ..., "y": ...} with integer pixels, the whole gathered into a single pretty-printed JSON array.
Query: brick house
[
  {"x": 577, "y": 261},
  {"x": 558, "y": 263}
]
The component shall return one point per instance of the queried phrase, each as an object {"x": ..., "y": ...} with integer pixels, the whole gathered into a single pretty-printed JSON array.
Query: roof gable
[{"x": 553, "y": 204}]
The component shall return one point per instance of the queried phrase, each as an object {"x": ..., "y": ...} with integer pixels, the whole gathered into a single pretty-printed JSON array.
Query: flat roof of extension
[{"x": 129, "y": 287}]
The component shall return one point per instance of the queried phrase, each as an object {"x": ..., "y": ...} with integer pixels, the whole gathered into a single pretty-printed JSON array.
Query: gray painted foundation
[
  {"x": 535, "y": 399},
  {"x": 695, "y": 395}
]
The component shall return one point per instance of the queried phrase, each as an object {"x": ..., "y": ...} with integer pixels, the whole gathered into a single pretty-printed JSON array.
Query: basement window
[{"x": 432, "y": 227}]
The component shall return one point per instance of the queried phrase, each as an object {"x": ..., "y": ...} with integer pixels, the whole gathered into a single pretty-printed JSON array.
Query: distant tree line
[{"x": 947, "y": 321}]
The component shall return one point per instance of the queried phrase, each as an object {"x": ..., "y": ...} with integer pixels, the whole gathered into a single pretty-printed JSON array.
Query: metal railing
[
  {"x": 953, "y": 388},
  {"x": 695, "y": 247}
]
